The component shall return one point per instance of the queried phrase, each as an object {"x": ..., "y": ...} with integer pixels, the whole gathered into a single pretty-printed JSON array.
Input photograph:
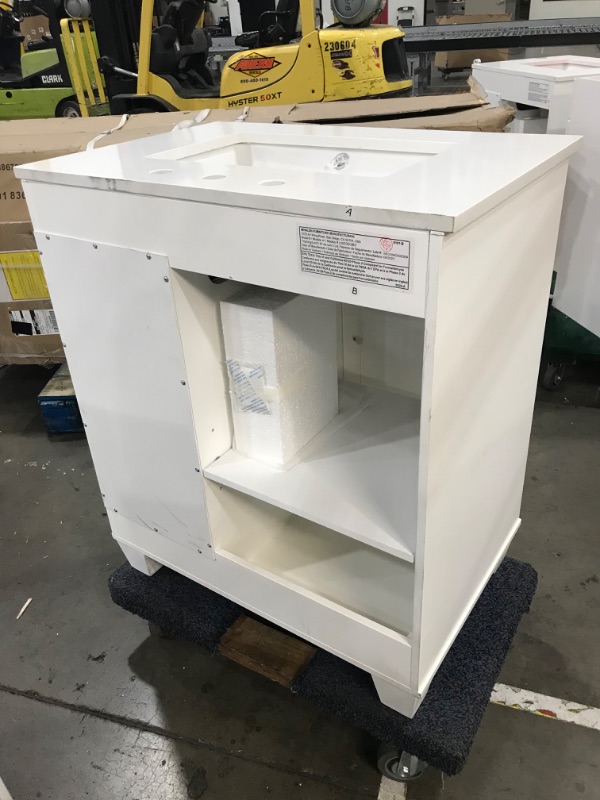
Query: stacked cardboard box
[
  {"x": 28, "y": 328},
  {"x": 462, "y": 59},
  {"x": 34, "y": 28},
  {"x": 28, "y": 331}
]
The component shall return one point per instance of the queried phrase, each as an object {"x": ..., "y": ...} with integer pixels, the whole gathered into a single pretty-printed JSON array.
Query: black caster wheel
[
  {"x": 398, "y": 765},
  {"x": 552, "y": 375}
]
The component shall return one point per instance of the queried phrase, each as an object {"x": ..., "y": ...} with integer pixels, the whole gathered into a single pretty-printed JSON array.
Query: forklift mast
[{"x": 117, "y": 26}]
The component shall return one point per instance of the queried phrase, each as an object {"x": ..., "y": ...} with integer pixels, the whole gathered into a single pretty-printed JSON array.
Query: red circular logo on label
[{"x": 386, "y": 244}]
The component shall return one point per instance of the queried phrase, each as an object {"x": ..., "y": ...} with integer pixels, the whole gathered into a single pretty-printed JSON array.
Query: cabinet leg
[
  {"x": 157, "y": 632},
  {"x": 138, "y": 560},
  {"x": 397, "y": 698}
]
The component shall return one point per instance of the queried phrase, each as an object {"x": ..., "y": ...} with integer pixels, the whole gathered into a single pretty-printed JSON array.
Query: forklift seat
[
  {"x": 163, "y": 53},
  {"x": 182, "y": 66},
  {"x": 275, "y": 27},
  {"x": 183, "y": 15},
  {"x": 193, "y": 59}
]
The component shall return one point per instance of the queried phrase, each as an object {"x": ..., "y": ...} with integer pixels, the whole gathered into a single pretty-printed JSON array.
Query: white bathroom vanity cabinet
[{"x": 435, "y": 250}]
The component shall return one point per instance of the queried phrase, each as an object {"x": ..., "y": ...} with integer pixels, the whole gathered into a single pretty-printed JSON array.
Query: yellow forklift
[{"x": 154, "y": 56}]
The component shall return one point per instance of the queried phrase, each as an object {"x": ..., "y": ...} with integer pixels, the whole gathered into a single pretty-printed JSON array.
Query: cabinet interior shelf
[{"x": 357, "y": 477}]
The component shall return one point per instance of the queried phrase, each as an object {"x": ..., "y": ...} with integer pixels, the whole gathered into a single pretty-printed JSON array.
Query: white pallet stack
[{"x": 433, "y": 252}]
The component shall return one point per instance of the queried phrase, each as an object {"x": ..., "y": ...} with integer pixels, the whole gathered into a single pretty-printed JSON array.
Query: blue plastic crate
[{"x": 58, "y": 404}]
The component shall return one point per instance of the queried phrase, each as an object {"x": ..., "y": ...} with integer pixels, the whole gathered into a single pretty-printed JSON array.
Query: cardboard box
[
  {"x": 462, "y": 59},
  {"x": 467, "y": 111},
  {"x": 34, "y": 28},
  {"x": 23, "y": 141},
  {"x": 21, "y": 273},
  {"x": 487, "y": 120},
  {"x": 28, "y": 330}
]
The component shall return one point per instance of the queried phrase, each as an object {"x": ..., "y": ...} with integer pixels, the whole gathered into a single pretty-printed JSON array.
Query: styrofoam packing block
[{"x": 281, "y": 353}]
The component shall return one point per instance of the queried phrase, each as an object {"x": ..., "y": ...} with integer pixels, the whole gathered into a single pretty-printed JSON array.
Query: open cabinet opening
[
  {"x": 340, "y": 518},
  {"x": 312, "y": 559}
]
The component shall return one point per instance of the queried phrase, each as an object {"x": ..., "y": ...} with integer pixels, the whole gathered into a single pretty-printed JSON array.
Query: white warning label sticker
[
  {"x": 538, "y": 92},
  {"x": 39, "y": 321},
  {"x": 247, "y": 382},
  {"x": 356, "y": 257}
]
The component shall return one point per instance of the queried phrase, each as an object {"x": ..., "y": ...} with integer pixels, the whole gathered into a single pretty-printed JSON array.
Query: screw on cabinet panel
[
  {"x": 95, "y": 246},
  {"x": 183, "y": 383},
  {"x": 165, "y": 279},
  {"x": 47, "y": 237},
  {"x": 148, "y": 256}
]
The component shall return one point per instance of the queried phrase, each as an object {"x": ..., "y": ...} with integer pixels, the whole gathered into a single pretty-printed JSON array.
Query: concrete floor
[{"x": 91, "y": 707}]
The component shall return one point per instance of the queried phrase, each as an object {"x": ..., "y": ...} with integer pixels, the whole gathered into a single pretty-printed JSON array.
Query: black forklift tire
[{"x": 68, "y": 108}]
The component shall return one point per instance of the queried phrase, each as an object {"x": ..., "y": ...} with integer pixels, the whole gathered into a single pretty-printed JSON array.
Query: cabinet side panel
[
  {"x": 117, "y": 319},
  {"x": 577, "y": 292},
  {"x": 493, "y": 286}
]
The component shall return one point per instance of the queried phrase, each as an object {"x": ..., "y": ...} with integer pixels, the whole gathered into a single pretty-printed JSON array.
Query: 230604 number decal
[{"x": 346, "y": 44}]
